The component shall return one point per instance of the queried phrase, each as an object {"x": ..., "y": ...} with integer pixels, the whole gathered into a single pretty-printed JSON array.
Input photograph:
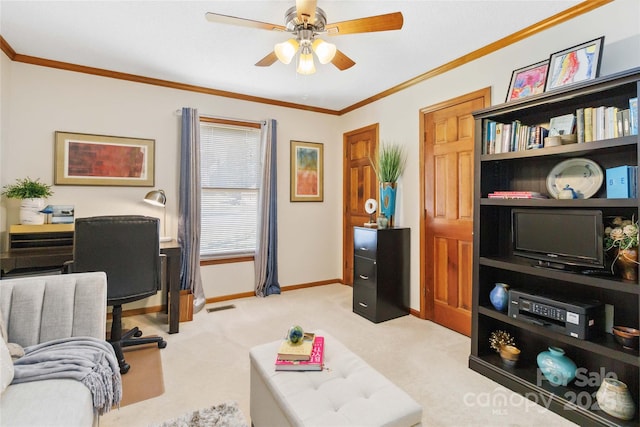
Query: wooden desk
[{"x": 54, "y": 258}]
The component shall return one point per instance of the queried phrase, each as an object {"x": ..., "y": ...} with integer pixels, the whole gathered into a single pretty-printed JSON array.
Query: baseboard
[{"x": 163, "y": 307}]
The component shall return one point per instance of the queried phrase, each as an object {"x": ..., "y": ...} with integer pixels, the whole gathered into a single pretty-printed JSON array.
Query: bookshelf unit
[{"x": 493, "y": 259}]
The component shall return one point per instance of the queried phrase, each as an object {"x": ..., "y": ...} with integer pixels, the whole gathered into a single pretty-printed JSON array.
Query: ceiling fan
[{"x": 305, "y": 21}]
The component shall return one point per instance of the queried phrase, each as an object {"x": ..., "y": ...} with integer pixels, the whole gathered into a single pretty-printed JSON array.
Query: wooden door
[
  {"x": 447, "y": 255},
  {"x": 360, "y": 184}
]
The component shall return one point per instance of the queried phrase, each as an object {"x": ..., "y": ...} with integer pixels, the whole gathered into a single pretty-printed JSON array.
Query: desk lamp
[{"x": 158, "y": 198}]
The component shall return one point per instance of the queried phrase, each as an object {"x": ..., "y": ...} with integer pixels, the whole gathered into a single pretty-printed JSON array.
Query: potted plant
[
  {"x": 622, "y": 237},
  {"x": 32, "y": 194},
  {"x": 389, "y": 165}
]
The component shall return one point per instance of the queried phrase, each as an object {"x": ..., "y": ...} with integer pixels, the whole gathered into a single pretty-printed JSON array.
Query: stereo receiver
[{"x": 578, "y": 319}]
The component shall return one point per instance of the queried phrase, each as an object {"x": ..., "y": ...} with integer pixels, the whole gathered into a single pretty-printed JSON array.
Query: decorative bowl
[
  {"x": 509, "y": 355},
  {"x": 627, "y": 337},
  {"x": 552, "y": 141},
  {"x": 570, "y": 138}
]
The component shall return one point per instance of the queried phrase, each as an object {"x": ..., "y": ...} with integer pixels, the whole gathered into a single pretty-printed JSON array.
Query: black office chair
[{"x": 127, "y": 248}]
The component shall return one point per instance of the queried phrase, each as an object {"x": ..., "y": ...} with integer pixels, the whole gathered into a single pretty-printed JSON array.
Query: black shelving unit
[{"x": 494, "y": 261}]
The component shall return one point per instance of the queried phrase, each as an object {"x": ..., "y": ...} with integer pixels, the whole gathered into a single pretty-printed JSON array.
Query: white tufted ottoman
[{"x": 348, "y": 392}]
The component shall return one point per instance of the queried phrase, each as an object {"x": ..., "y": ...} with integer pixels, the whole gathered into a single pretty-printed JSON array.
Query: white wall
[
  {"x": 399, "y": 114},
  {"x": 44, "y": 100},
  {"x": 37, "y": 101}
]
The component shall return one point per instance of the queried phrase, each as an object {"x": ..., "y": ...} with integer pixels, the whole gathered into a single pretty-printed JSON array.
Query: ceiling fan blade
[
  {"x": 232, "y": 20},
  {"x": 306, "y": 8},
  {"x": 342, "y": 61},
  {"x": 267, "y": 60},
  {"x": 389, "y": 21}
]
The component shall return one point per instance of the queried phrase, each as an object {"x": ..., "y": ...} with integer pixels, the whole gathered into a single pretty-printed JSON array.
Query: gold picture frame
[
  {"x": 307, "y": 171},
  {"x": 101, "y": 160}
]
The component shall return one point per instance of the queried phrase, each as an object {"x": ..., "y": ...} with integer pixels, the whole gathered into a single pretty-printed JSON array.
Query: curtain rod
[{"x": 209, "y": 116}]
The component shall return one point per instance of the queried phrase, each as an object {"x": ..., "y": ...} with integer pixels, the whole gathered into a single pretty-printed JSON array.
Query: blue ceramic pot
[
  {"x": 556, "y": 367},
  {"x": 499, "y": 296}
]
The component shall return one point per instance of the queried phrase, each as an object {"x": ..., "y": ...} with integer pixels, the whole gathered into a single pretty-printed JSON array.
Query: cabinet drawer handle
[
  {"x": 363, "y": 277},
  {"x": 363, "y": 304}
]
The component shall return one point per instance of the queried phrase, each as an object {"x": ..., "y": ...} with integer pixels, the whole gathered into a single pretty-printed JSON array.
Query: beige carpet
[
  {"x": 145, "y": 378},
  {"x": 208, "y": 361}
]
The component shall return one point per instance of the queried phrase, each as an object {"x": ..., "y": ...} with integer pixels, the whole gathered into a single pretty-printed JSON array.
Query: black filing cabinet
[{"x": 381, "y": 273}]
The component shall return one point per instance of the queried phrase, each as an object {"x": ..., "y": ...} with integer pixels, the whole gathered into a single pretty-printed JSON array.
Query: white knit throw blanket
[{"x": 86, "y": 359}]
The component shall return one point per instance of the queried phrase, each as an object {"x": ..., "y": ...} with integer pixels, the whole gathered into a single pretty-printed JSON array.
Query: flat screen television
[{"x": 559, "y": 238}]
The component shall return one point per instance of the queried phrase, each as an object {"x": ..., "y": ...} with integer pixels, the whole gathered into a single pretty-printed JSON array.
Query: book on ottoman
[{"x": 313, "y": 364}]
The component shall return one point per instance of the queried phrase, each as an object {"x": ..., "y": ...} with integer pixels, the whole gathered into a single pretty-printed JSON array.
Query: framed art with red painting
[{"x": 86, "y": 159}]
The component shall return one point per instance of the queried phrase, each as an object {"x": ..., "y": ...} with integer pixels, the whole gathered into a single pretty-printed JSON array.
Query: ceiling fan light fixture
[
  {"x": 305, "y": 63},
  {"x": 285, "y": 51},
  {"x": 325, "y": 51}
]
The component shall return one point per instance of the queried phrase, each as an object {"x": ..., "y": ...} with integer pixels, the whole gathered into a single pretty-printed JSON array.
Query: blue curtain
[
  {"x": 266, "y": 258},
  {"x": 189, "y": 211}
]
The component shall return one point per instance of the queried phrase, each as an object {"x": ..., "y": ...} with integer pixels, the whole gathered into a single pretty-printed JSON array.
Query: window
[{"x": 230, "y": 179}]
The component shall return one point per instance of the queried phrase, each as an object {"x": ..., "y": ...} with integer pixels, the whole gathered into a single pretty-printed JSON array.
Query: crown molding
[{"x": 565, "y": 15}]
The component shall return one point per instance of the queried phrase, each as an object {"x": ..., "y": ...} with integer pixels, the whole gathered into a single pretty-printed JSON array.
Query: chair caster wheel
[
  {"x": 138, "y": 334},
  {"x": 162, "y": 344},
  {"x": 124, "y": 368}
]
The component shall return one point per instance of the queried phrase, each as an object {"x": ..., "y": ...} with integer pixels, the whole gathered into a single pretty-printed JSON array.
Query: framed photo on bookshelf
[
  {"x": 575, "y": 64},
  {"x": 527, "y": 81}
]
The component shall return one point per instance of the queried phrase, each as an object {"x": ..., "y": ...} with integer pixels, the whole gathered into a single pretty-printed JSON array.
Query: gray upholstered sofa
[{"x": 38, "y": 309}]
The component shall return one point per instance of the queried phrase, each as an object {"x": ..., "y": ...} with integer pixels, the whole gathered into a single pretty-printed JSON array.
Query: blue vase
[
  {"x": 388, "y": 201},
  {"x": 556, "y": 367},
  {"x": 499, "y": 296}
]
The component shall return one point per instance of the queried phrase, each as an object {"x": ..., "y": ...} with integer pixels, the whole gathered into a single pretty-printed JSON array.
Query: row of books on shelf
[
  {"x": 306, "y": 356},
  {"x": 514, "y": 136},
  {"x": 588, "y": 123},
  {"x": 516, "y": 195},
  {"x": 605, "y": 122}
]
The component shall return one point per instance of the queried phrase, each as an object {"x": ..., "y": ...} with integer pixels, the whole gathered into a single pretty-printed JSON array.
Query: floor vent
[{"x": 222, "y": 307}]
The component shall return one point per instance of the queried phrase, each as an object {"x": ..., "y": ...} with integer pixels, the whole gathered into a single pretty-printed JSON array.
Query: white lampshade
[
  {"x": 285, "y": 51},
  {"x": 305, "y": 64},
  {"x": 325, "y": 51}
]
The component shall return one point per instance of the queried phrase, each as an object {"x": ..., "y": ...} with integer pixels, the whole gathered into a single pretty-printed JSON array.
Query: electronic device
[
  {"x": 578, "y": 319},
  {"x": 559, "y": 238}
]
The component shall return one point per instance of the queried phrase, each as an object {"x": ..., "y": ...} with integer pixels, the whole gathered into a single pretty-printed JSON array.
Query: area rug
[
  {"x": 144, "y": 379},
  {"x": 226, "y": 414}
]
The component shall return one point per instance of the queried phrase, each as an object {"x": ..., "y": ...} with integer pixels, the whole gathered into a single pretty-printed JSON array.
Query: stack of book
[
  {"x": 516, "y": 195},
  {"x": 307, "y": 356}
]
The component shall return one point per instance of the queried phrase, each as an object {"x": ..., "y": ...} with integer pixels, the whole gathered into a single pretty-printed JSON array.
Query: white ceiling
[{"x": 171, "y": 40}]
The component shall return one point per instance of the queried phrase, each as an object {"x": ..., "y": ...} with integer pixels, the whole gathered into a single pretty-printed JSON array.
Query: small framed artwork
[
  {"x": 307, "y": 175},
  {"x": 574, "y": 65},
  {"x": 85, "y": 159},
  {"x": 528, "y": 80}
]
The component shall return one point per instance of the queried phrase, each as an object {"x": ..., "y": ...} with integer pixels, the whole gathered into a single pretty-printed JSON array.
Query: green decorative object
[
  {"x": 32, "y": 194},
  {"x": 389, "y": 165},
  {"x": 27, "y": 188},
  {"x": 295, "y": 335}
]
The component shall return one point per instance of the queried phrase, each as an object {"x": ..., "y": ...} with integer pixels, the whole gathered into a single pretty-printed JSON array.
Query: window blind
[{"x": 230, "y": 179}]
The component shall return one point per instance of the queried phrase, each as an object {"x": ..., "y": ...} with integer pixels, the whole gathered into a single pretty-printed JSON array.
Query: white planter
[{"x": 30, "y": 211}]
